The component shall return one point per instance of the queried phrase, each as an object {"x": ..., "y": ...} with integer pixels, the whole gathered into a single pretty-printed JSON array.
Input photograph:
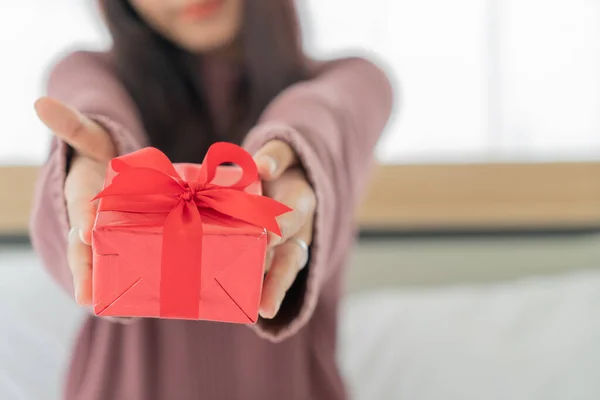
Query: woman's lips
[{"x": 201, "y": 10}]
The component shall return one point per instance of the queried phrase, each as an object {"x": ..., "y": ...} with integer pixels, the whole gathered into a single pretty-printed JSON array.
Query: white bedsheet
[{"x": 536, "y": 339}]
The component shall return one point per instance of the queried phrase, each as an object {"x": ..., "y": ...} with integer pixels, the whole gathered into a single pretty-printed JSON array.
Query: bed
[{"x": 536, "y": 338}]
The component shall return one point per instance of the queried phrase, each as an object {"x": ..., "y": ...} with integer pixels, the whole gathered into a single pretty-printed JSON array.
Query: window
[{"x": 480, "y": 80}]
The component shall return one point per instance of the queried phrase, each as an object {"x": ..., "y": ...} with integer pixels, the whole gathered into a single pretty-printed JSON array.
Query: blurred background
[{"x": 477, "y": 274}]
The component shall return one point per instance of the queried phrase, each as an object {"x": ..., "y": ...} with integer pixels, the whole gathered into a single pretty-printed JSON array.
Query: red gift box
[{"x": 182, "y": 241}]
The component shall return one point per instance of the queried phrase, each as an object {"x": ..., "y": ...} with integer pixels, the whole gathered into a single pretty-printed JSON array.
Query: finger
[
  {"x": 303, "y": 239},
  {"x": 289, "y": 224},
  {"x": 289, "y": 259},
  {"x": 294, "y": 191},
  {"x": 86, "y": 136},
  {"x": 82, "y": 214},
  {"x": 84, "y": 181},
  {"x": 278, "y": 280},
  {"x": 268, "y": 260},
  {"x": 274, "y": 158},
  {"x": 79, "y": 258}
]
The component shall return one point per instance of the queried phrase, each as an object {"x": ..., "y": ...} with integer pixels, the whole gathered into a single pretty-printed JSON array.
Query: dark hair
[{"x": 163, "y": 80}]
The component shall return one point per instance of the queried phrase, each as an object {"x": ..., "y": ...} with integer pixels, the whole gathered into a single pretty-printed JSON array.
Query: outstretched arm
[{"x": 330, "y": 125}]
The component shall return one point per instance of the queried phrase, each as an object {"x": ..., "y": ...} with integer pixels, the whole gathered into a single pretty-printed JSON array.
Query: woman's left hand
[{"x": 285, "y": 181}]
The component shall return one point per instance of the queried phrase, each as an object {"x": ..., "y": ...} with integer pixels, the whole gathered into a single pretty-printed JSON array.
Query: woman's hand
[
  {"x": 285, "y": 182},
  {"x": 93, "y": 149}
]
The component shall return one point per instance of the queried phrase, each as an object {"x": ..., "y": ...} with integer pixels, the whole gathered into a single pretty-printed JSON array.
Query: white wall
[{"x": 479, "y": 80}]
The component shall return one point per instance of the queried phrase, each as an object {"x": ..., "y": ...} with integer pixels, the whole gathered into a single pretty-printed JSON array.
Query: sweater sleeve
[
  {"x": 86, "y": 82},
  {"x": 333, "y": 122}
]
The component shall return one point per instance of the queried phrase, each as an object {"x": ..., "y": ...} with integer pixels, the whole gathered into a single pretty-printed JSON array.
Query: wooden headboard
[{"x": 424, "y": 197}]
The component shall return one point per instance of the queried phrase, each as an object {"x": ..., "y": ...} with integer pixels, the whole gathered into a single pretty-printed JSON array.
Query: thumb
[
  {"x": 81, "y": 133},
  {"x": 274, "y": 158}
]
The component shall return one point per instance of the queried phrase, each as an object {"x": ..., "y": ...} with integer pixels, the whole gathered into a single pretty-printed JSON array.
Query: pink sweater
[{"x": 333, "y": 122}]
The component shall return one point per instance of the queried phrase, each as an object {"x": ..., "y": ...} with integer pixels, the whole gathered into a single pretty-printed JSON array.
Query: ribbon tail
[
  {"x": 256, "y": 210},
  {"x": 181, "y": 261}
]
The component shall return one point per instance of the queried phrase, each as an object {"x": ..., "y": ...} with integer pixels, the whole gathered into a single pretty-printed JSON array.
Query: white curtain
[
  {"x": 477, "y": 80},
  {"x": 33, "y": 35}
]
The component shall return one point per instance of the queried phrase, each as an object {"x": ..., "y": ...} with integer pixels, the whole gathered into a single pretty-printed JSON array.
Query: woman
[{"x": 181, "y": 75}]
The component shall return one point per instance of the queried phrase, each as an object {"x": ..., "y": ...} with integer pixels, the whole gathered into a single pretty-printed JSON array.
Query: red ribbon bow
[{"x": 147, "y": 182}]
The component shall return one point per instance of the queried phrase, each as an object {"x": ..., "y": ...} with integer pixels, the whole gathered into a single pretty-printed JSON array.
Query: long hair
[{"x": 162, "y": 79}]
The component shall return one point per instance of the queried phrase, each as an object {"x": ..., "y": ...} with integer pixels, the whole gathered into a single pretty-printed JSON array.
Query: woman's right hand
[{"x": 93, "y": 149}]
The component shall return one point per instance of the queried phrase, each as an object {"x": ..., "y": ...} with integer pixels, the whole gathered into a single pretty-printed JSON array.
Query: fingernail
[
  {"x": 270, "y": 164},
  {"x": 270, "y": 315},
  {"x": 263, "y": 314}
]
